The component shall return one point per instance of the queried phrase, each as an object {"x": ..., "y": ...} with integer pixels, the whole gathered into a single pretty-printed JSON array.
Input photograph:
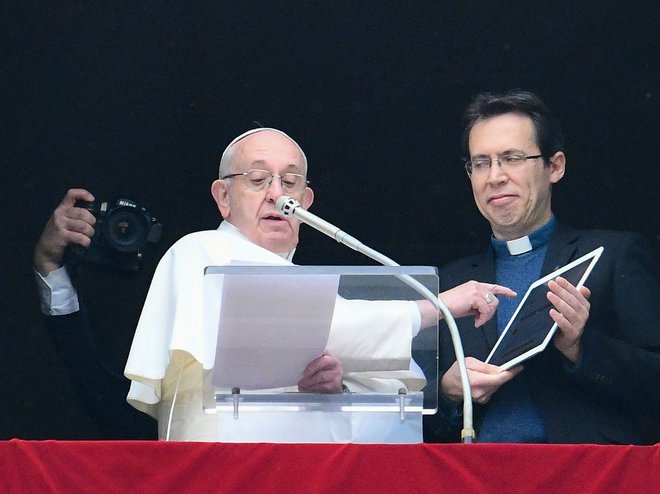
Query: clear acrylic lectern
[{"x": 270, "y": 321}]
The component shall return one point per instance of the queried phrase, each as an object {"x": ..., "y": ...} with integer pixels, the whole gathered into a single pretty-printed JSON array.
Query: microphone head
[{"x": 287, "y": 205}]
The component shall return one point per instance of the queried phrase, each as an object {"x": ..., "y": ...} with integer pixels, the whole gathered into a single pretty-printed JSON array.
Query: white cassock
[{"x": 171, "y": 348}]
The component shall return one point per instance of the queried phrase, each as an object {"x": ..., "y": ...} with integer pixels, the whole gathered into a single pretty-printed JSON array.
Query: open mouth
[{"x": 274, "y": 217}]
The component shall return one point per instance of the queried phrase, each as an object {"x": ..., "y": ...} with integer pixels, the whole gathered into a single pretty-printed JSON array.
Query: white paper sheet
[{"x": 270, "y": 327}]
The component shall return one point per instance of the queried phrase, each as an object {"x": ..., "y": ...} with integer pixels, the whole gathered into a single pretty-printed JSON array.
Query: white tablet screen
[{"x": 530, "y": 328}]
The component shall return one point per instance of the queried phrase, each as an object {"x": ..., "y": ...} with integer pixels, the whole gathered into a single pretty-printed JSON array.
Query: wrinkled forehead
[{"x": 230, "y": 149}]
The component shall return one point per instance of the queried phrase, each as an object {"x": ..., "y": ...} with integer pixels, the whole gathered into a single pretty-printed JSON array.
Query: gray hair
[{"x": 228, "y": 154}]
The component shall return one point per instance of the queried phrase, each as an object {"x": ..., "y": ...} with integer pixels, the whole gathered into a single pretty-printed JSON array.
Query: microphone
[{"x": 291, "y": 208}]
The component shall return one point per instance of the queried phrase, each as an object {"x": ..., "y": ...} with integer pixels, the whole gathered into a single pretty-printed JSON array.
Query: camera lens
[{"x": 126, "y": 230}]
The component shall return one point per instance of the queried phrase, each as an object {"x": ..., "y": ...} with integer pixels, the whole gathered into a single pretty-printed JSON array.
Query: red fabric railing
[{"x": 138, "y": 466}]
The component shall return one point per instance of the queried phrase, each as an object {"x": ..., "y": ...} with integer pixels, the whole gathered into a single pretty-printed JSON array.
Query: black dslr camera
[{"x": 122, "y": 231}]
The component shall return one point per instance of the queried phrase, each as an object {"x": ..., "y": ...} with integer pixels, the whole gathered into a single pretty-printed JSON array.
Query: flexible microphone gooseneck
[{"x": 291, "y": 208}]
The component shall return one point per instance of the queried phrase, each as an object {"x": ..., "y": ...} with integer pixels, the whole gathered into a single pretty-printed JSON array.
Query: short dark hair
[{"x": 549, "y": 137}]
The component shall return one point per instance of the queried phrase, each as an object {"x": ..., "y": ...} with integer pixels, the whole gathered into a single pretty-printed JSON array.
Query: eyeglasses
[
  {"x": 259, "y": 180},
  {"x": 482, "y": 165}
]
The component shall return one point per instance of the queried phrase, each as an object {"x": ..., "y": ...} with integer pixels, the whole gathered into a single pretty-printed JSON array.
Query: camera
[{"x": 123, "y": 230}]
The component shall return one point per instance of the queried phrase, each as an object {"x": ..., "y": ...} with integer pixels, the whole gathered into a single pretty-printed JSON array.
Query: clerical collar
[
  {"x": 519, "y": 246},
  {"x": 227, "y": 227},
  {"x": 534, "y": 240}
]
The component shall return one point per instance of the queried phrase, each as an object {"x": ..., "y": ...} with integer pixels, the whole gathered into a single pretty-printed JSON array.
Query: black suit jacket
[
  {"x": 98, "y": 378},
  {"x": 618, "y": 377}
]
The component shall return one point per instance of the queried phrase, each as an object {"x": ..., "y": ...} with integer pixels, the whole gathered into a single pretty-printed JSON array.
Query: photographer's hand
[{"x": 67, "y": 225}]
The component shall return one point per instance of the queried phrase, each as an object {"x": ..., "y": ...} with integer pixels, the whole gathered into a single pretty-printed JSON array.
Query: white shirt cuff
[{"x": 57, "y": 295}]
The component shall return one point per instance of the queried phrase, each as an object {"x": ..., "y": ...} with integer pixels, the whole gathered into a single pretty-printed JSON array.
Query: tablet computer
[{"x": 530, "y": 328}]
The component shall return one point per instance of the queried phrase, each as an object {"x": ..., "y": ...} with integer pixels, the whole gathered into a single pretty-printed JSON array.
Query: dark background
[{"x": 140, "y": 98}]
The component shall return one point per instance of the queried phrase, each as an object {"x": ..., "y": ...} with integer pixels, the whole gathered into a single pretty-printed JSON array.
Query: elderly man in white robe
[{"x": 170, "y": 351}]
